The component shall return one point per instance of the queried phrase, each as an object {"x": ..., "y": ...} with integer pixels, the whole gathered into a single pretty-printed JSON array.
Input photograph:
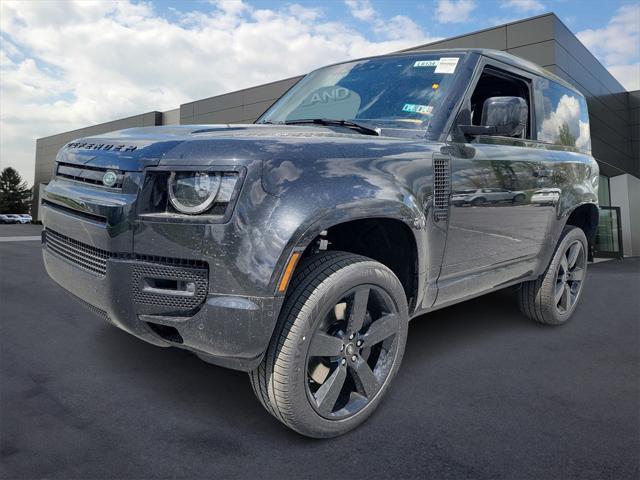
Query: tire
[
  {"x": 518, "y": 198},
  {"x": 320, "y": 312},
  {"x": 552, "y": 298},
  {"x": 478, "y": 201}
]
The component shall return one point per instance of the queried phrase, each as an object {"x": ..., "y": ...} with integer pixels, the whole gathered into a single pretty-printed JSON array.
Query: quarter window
[{"x": 563, "y": 119}]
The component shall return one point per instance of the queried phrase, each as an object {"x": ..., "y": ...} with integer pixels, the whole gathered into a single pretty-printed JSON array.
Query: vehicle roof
[{"x": 499, "y": 55}]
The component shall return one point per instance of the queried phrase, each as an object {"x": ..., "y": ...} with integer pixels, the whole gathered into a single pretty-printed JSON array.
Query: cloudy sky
[{"x": 69, "y": 64}]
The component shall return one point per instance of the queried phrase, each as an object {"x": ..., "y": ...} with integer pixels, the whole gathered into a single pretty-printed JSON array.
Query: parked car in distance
[
  {"x": 546, "y": 196},
  {"x": 19, "y": 218},
  {"x": 481, "y": 196},
  {"x": 26, "y": 218},
  {"x": 298, "y": 248},
  {"x": 8, "y": 218}
]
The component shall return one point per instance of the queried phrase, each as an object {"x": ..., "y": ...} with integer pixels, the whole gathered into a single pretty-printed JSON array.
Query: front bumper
[{"x": 162, "y": 300}]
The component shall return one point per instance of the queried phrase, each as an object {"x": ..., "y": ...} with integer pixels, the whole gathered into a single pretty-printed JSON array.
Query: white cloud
[
  {"x": 627, "y": 75},
  {"x": 454, "y": 11},
  {"x": 524, "y": 5},
  {"x": 618, "y": 44},
  {"x": 65, "y": 65},
  {"x": 361, "y": 9},
  {"x": 394, "y": 28}
]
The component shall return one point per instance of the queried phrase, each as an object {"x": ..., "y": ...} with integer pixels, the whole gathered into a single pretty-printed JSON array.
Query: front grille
[
  {"x": 150, "y": 267},
  {"x": 441, "y": 187},
  {"x": 87, "y": 174},
  {"x": 85, "y": 256}
]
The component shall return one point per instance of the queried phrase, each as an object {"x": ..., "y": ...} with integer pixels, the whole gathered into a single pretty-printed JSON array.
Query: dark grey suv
[{"x": 298, "y": 248}]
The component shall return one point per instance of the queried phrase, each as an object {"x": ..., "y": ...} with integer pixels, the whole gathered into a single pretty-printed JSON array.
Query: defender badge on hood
[{"x": 101, "y": 146}]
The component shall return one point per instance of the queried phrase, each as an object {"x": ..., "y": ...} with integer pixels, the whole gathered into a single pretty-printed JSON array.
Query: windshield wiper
[{"x": 366, "y": 130}]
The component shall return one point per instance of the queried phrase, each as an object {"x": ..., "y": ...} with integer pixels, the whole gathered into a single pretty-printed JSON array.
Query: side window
[
  {"x": 562, "y": 117},
  {"x": 496, "y": 83}
]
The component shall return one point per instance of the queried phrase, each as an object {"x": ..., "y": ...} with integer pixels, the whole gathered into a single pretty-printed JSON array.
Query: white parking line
[{"x": 20, "y": 239}]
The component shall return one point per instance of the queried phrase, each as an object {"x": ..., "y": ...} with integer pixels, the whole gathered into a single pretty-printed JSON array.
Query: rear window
[{"x": 562, "y": 117}]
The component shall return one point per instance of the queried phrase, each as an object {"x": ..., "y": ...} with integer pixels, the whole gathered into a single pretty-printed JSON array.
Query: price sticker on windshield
[
  {"x": 421, "y": 109},
  {"x": 426, "y": 63},
  {"x": 447, "y": 65}
]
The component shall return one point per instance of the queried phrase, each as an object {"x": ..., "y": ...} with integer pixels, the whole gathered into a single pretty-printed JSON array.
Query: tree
[
  {"x": 15, "y": 195},
  {"x": 566, "y": 137}
]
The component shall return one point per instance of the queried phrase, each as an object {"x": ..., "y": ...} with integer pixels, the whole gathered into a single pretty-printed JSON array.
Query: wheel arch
[
  {"x": 390, "y": 234},
  {"x": 585, "y": 216}
]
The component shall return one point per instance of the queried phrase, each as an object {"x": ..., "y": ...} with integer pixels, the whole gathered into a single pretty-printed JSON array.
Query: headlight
[{"x": 196, "y": 192}]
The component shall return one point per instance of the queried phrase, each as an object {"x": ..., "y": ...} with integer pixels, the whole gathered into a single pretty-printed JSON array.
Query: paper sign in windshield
[
  {"x": 421, "y": 109},
  {"x": 447, "y": 65},
  {"x": 426, "y": 63}
]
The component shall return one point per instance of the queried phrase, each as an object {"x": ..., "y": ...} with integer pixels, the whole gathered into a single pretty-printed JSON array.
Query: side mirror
[{"x": 504, "y": 116}]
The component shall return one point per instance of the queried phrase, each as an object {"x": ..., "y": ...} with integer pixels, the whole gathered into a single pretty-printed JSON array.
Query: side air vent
[{"x": 441, "y": 187}]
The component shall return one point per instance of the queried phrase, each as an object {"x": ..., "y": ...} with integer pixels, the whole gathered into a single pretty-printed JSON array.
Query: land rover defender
[{"x": 299, "y": 247}]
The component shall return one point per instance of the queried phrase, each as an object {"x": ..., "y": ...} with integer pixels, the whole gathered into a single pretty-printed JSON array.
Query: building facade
[{"x": 614, "y": 115}]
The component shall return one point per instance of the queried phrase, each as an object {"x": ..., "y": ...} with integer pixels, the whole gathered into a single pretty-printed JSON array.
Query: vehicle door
[
  {"x": 503, "y": 194},
  {"x": 493, "y": 242}
]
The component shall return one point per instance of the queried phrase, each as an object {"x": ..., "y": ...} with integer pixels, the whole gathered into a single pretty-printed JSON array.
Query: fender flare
[{"x": 406, "y": 212}]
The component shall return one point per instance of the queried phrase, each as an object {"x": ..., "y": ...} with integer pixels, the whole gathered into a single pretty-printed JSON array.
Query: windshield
[
  {"x": 403, "y": 91},
  {"x": 465, "y": 192}
]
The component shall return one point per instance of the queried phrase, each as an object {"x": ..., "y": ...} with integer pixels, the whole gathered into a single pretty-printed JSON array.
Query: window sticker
[
  {"x": 447, "y": 65},
  {"x": 421, "y": 109},
  {"x": 426, "y": 63}
]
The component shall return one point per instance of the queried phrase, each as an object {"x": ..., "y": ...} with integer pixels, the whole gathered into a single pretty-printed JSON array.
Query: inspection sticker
[
  {"x": 421, "y": 109},
  {"x": 447, "y": 65},
  {"x": 426, "y": 63}
]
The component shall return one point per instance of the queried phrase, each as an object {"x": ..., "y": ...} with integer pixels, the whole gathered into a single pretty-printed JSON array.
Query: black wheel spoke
[
  {"x": 565, "y": 299},
  {"x": 324, "y": 345},
  {"x": 358, "y": 310},
  {"x": 381, "y": 329},
  {"x": 364, "y": 378},
  {"x": 328, "y": 393},
  {"x": 564, "y": 264},
  {"x": 572, "y": 254},
  {"x": 577, "y": 274},
  {"x": 569, "y": 277}
]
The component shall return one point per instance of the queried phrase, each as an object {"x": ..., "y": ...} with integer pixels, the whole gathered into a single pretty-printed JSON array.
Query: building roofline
[
  {"x": 155, "y": 112},
  {"x": 456, "y": 37}
]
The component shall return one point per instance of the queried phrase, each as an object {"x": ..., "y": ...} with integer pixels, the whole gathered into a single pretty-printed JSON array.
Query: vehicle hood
[
  {"x": 284, "y": 155},
  {"x": 137, "y": 148}
]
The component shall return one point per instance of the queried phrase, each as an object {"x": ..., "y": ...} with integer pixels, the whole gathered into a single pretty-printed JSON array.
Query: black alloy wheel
[
  {"x": 348, "y": 360},
  {"x": 337, "y": 346},
  {"x": 569, "y": 278},
  {"x": 552, "y": 298}
]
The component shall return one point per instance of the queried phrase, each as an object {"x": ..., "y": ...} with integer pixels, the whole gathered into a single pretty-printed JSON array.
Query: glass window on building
[
  {"x": 604, "y": 196},
  {"x": 609, "y": 235}
]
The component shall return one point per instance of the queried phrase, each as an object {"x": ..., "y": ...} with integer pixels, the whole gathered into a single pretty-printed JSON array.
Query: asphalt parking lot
[{"x": 482, "y": 393}]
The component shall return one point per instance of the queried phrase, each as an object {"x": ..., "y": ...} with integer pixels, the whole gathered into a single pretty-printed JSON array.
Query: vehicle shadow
[{"x": 442, "y": 331}]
